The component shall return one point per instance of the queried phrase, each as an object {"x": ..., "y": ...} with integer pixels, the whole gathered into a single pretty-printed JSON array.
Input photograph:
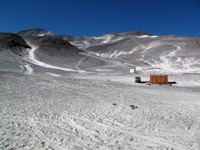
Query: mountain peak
[
  {"x": 35, "y": 32},
  {"x": 136, "y": 33}
]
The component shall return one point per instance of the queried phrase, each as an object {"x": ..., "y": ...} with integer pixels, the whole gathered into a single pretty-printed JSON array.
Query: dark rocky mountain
[{"x": 12, "y": 42}]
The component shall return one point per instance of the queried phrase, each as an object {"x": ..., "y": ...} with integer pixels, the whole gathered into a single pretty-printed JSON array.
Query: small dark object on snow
[
  {"x": 114, "y": 104},
  {"x": 170, "y": 83},
  {"x": 133, "y": 107},
  {"x": 137, "y": 80},
  {"x": 108, "y": 80}
]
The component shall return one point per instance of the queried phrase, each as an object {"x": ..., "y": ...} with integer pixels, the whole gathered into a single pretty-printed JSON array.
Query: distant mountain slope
[
  {"x": 52, "y": 50},
  {"x": 85, "y": 42},
  {"x": 58, "y": 52},
  {"x": 146, "y": 52},
  {"x": 167, "y": 54},
  {"x": 35, "y": 32}
]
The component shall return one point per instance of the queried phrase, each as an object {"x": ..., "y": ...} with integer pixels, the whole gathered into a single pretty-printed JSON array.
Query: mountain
[
  {"x": 84, "y": 42},
  {"x": 35, "y": 32},
  {"x": 13, "y": 49},
  {"x": 59, "y": 52},
  {"x": 167, "y": 54},
  {"x": 115, "y": 52},
  {"x": 12, "y": 42}
]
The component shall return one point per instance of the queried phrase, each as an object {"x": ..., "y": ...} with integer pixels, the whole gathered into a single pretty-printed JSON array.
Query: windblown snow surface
[{"x": 42, "y": 112}]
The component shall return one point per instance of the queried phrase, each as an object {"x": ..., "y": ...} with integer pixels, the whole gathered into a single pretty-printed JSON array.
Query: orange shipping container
[{"x": 158, "y": 79}]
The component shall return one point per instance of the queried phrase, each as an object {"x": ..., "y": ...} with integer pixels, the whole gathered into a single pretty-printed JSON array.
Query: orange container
[{"x": 158, "y": 79}]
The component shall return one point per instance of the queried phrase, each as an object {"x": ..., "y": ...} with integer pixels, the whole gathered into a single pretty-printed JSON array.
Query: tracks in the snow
[
  {"x": 79, "y": 114},
  {"x": 120, "y": 132},
  {"x": 45, "y": 141},
  {"x": 79, "y": 62}
]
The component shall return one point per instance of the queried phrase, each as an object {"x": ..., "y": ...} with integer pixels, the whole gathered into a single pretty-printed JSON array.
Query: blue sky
[{"x": 98, "y": 17}]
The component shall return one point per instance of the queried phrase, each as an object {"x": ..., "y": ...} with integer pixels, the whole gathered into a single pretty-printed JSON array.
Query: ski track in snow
[
  {"x": 49, "y": 113},
  {"x": 79, "y": 62},
  {"x": 33, "y": 60}
]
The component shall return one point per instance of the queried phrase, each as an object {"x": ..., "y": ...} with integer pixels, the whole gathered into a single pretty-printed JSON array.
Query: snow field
[{"x": 45, "y": 112}]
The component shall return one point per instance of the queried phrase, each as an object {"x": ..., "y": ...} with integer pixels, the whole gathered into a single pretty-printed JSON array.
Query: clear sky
[{"x": 98, "y": 17}]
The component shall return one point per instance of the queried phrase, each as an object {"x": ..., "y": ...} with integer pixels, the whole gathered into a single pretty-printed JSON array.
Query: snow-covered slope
[
  {"x": 169, "y": 54},
  {"x": 43, "y": 113}
]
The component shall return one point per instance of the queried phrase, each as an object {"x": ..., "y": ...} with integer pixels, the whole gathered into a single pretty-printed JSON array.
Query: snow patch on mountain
[
  {"x": 117, "y": 53},
  {"x": 45, "y": 34},
  {"x": 147, "y": 36},
  {"x": 105, "y": 39}
]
